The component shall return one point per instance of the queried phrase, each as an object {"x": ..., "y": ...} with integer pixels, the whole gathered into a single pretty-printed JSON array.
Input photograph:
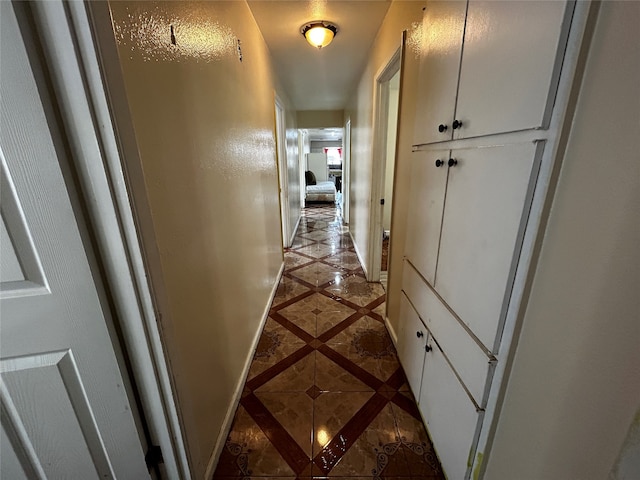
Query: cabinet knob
[
  {"x": 419, "y": 334},
  {"x": 456, "y": 124},
  {"x": 452, "y": 162},
  {"x": 442, "y": 128},
  {"x": 439, "y": 163},
  {"x": 427, "y": 348}
]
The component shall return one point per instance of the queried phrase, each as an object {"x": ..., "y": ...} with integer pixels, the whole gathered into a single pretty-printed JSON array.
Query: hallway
[{"x": 325, "y": 395}]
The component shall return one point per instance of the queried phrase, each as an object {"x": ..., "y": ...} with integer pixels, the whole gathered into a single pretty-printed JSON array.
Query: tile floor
[{"x": 325, "y": 396}]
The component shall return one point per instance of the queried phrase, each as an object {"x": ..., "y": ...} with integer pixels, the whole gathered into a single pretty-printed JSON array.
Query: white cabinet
[
  {"x": 449, "y": 409},
  {"x": 463, "y": 224},
  {"x": 486, "y": 193},
  {"x": 412, "y": 338},
  {"x": 450, "y": 415},
  {"x": 443, "y": 29},
  {"x": 489, "y": 67},
  {"x": 426, "y": 202}
]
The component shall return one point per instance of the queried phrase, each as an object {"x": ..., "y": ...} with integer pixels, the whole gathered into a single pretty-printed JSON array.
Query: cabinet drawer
[
  {"x": 449, "y": 413},
  {"x": 412, "y": 339},
  {"x": 468, "y": 359}
]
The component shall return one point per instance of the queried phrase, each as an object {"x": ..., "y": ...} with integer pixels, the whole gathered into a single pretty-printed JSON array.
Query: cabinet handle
[
  {"x": 419, "y": 334},
  {"x": 442, "y": 128},
  {"x": 456, "y": 124},
  {"x": 427, "y": 348},
  {"x": 452, "y": 162},
  {"x": 439, "y": 163}
]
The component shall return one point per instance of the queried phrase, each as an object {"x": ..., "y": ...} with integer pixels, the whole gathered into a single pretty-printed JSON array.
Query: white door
[
  {"x": 509, "y": 67},
  {"x": 65, "y": 409},
  {"x": 426, "y": 203},
  {"x": 412, "y": 338},
  {"x": 443, "y": 24},
  {"x": 486, "y": 196}
]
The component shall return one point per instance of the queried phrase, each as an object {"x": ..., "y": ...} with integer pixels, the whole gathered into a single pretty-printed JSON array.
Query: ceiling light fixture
[{"x": 319, "y": 33}]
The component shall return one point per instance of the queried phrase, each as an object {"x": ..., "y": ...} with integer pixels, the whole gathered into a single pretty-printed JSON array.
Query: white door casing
[
  {"x": 65, "y": 408},
  {"x": 283, "y": 171}
]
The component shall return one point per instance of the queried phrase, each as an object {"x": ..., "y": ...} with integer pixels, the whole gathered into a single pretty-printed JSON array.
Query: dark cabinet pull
[
  {"x": 419, "y": 334},
  {"x": 442, "y": 128},
  {"x": 439, "y": 163},
  {"x": 428, "y": 348},
  {"x": 456, "y": 124},
  {"x": 452, "y": 162}
]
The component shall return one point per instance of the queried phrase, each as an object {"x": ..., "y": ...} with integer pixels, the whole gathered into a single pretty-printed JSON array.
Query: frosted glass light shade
[{"x": 319, "y": 34}]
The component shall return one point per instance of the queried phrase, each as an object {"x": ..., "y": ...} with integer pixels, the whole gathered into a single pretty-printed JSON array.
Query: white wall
[
  {"x": 204, "y": 124},
  {"x": 400, "y": 16},
  {"x": 574, "y": 388}
]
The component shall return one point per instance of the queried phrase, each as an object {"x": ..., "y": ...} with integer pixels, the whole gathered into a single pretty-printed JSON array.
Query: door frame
[
  {"x": 346, "y": 171},
  {"x": 68, "y": 33},
  {"x": 283, "y": 171},
  {"x": 380, "y": 128}
]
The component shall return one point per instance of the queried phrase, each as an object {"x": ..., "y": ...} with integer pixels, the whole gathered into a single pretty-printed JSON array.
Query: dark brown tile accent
[
  {"x": 278, "y": 368},
  {"x": 279, "y": 437},
  {"x": 350, "y": 367},
  {"x": 340, "y": 443}
]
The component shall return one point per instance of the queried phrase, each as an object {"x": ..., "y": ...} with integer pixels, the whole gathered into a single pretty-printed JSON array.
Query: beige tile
[
  {"x": 296, "y": 378},
  {"x": 318, "y": 250},
  {"x": 331, "y": 413},
  {"x": 367, "y": 344},
  {"x": 275, "y": 344},
  {"x": 287, "y": 290},
  {"x": 357, "y": 290},
  {"x": 293, "y": 260},
  {"x": 363, "y": 454},
  {"x": 301, "y": 314},
  {"x": 348, "y": 260}
]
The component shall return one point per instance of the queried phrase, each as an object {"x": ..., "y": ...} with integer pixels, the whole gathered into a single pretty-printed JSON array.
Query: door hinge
[
  {"x": 382, "y": 201},
  {"x": 153, "y": 457}
]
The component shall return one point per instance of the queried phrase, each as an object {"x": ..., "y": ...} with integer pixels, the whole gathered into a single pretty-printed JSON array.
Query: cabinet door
[
  {"x": 424, "y": 216},
  {"x": 443, "y": 28},
  {"x": 485, "y": 199},
  {"x": 412, "y": 338},
  {"x": 449, "y": 413},
  {"x": 510, "y": 65}
]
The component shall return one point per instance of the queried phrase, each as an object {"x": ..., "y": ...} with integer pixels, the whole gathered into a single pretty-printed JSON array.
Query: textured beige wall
[
  {"x": 204, "y": 124},
  {"x": 401, "y": 16},
  {"x": 574, "y": 387}
]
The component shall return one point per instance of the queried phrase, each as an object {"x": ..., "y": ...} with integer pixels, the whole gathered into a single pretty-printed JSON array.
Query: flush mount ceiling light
[{"x": 319, "y": 33}]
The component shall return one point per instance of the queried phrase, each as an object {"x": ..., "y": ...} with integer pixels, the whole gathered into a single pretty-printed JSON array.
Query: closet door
[
  {"x": 424, "y": 217},
  {"x": 412, "y": 339},
  {"x": 486, "y": 196},
  {"x": 510, "y": 65},
  {"x": 443, "y": 28},
  {"x": 449, "y": 412}
]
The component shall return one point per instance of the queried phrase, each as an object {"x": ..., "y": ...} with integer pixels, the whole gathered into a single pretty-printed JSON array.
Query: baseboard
[
  {"x": 355, "y": 247},
  {"x": 228, "y": 419},
  {"x": 295, "y": 231},
  {"x": 392, "y": 332}
]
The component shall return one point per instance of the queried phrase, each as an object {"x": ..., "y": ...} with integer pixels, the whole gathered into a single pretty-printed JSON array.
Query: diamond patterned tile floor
[{"x": 325, "y": 396}]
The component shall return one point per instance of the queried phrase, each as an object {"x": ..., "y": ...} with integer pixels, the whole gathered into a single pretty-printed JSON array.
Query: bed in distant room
[{"x": 319, "y": 191}]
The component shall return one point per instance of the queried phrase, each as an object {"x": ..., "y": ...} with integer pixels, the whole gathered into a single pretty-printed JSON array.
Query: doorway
[{"x": 386, "y": 129}]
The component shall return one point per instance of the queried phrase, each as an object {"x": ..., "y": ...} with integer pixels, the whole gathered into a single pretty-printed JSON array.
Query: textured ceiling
[{"x": 319, "y": 79}]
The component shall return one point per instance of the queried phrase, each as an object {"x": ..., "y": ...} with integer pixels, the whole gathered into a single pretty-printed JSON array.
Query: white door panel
[
  {"x": 424, "y": 216},
  {"x": 485, "y": 199},
  {"x": 449, "y": 413},
  {"x": 443, "y": 28},
  {"x": 509, "y": 65},
  {"x": 66, "y": 413},
  {"x": 412, "y": 338}
]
